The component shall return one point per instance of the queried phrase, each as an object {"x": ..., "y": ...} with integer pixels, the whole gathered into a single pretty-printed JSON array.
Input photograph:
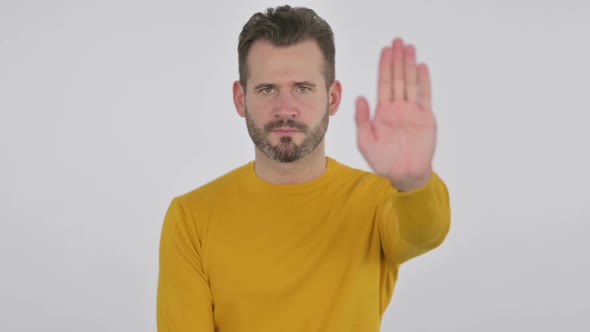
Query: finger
[
  {"x": 425, "y": 98},
  {"x": 410, "y": 73},
  {"x": 398, "y": 69},
  {"x": 363, "y": 122},
  {"x": 384, "y": 85}
]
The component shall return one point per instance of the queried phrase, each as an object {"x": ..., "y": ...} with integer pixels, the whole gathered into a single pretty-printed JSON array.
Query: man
[{"x": 294, "y": 240}]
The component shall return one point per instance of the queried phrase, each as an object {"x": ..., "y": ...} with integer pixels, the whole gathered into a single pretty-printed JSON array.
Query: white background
[{"x": 108, "y": 109}]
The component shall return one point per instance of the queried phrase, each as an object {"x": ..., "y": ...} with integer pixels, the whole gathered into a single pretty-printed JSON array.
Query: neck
[{"x": 308, "y": 168}]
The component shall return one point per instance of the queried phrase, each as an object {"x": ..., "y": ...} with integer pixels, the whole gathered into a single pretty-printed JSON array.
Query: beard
[{"x": 286, "y": 150}]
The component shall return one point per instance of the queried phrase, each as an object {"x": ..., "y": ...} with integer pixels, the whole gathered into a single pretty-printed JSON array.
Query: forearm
[
  {"x": 412, "y": 223},
  {"x": 424, "y": 214}
]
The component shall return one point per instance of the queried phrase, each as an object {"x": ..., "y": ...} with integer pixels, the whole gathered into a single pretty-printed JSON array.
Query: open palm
[{"x": 399, "y": 142}]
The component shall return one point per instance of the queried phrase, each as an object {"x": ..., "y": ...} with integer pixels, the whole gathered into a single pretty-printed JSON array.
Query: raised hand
[{"x": 399, "y": 142}]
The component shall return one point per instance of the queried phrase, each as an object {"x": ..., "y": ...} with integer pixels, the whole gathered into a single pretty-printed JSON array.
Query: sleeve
[
  {"x": 184, "y": 301},
  {"x": 415, "y": 222}
]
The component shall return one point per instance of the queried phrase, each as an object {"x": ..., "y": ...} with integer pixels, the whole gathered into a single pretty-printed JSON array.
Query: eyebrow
[{"x": 271, "y": 85}]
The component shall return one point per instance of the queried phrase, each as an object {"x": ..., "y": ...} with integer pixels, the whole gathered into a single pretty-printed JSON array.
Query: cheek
[{"x": 256, "y": 105}]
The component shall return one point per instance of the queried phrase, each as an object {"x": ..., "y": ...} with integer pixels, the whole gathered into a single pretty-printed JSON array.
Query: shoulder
[
  {"x": 362, "y": 180},
  {"x": 221, "y": 186}
]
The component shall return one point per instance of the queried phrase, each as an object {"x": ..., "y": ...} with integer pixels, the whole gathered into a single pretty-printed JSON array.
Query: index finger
[{"x": 385, "y": 82}]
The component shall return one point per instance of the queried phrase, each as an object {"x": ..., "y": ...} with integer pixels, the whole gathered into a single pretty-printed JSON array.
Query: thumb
[{"x": 363, "y": 122}]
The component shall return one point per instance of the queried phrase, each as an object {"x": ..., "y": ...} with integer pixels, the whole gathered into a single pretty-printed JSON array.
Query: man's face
[{"x": 286, "y": 104}]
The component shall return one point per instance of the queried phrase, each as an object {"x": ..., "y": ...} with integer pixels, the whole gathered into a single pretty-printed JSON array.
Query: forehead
[{"x": 298, "y": 62}]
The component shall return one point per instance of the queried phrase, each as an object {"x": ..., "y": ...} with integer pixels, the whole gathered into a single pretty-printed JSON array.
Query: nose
[{"x": 286, "y": 107}]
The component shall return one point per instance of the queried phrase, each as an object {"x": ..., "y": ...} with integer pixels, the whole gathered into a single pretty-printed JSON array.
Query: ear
[
  {"x": 334, "y": 97},
  {"x": 239, "y": 98}
]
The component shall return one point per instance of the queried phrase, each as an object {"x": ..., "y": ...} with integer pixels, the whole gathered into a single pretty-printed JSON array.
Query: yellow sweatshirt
[{"x": 243, "y": 255}]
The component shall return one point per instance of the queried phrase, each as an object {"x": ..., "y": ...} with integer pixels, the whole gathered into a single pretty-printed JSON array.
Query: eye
[
  {"x": 267, "y": 90},
  {"x": 303, "y": 89}
]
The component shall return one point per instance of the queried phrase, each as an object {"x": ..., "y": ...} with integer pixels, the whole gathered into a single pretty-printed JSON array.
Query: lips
[{"x": 286, "y": 130}]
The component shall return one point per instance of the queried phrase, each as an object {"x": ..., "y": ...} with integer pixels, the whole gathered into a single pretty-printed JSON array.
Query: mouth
[{"x": 285, "y": 130}]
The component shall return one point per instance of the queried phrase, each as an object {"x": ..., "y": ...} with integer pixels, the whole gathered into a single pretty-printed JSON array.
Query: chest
[{"x": 262, "y": 252}]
